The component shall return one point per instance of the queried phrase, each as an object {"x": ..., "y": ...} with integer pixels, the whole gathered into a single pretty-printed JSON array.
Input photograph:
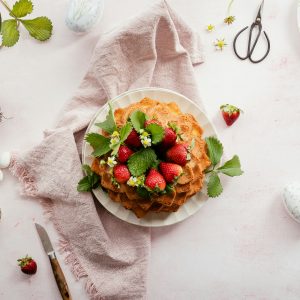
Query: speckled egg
[
  {"x": 83, "y": 14},
  {"x": 5, "y": 158},
  {"x": 291, "y": 200}
]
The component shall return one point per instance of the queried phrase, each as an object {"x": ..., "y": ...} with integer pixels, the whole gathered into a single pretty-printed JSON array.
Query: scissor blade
[{"x": 258, "y": 17}]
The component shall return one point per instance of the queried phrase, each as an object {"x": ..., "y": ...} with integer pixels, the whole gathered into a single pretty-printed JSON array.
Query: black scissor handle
[
  {"x": 268, "y": 50},
  {"x": 250, "y": 48}
]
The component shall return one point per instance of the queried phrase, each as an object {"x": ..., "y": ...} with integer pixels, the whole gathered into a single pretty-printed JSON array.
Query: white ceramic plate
[{"x": 151, "y": 219}]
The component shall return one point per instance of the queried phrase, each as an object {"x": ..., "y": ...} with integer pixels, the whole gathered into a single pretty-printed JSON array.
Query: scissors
[{"x": 250, "y": 49}]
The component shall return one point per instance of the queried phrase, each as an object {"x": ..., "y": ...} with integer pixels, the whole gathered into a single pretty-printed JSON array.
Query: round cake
[{"x": 177, "y": 170}]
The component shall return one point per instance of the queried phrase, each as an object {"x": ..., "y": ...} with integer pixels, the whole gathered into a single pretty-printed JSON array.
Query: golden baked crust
[{"x": 193, "y": 172}]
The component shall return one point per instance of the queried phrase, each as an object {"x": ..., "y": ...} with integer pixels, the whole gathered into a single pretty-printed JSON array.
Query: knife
[{"x": 57, "y": 271}]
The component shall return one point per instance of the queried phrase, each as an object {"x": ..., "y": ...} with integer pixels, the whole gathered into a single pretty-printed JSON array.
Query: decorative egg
[
  {"x": 1, "y": 175},
  {"x": 5, "y": 158},
  {"x": 83, "y": 14},
  {"x": 291, "y": 199}
]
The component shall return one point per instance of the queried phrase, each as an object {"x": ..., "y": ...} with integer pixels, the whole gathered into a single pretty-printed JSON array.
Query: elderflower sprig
[
  {"x": 210, "y": 28},
  {"x": 220, "y": 44}
]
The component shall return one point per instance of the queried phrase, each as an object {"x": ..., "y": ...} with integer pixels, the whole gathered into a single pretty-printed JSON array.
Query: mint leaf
[
  {"x": 232, "y": 167},
  {"x": 215, "y": 149},
  {"x": 10, "y": 33},
  {"x": 125, "y": 131},
  {"x": 109, "y": 125},
  {"x": 157, "y": 132},
  {"x": 214, "y": 187},
  {"x": 22, "y": 8},
  {"x": 138, "y": 119},
  {"x": 141, "y": 161},
  {"x": 99, "y": 142},
  {"x": 89, "y": 182},
  {"x": 39, "y": 28}
]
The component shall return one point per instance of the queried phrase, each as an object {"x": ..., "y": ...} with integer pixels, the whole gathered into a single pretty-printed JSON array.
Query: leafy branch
[
  {"x": 230, "y": 168},
  {"x": 39, "y": 28}
]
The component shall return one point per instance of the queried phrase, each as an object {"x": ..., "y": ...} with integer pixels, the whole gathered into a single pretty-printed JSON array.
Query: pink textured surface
[{"x": 239, "y": 246}]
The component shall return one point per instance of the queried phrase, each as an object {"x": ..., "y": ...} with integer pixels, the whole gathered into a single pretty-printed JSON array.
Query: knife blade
[{"x": 57, "y": 271}]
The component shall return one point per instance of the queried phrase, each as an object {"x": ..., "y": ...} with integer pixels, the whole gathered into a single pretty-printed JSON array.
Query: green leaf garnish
[
  {"x": 89, "y": 182},
  {"x": 39, "y": 28},
  {"x": 99, "y": 142},
  {"x": 138, "y": 119},
  {"x": 232, "y": 167},
  {"x": 214, "y": 186},
  {"x": 141, "y": 161},
  {"x": 22, "y": 8},
  {"x": 157, "y": 132},
  {"x": 125, "y": 131},
  {"x": 214, "y": 149},
  {"x": 143, "y": 192},
  {"x": 10, "y": 33},
  {"x": 109, "y": 125}
]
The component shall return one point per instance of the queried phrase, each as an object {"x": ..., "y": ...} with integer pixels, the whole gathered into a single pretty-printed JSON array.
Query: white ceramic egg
[
  {"x": 1, "y": 175},
  {"x": 291, "y": 200},
  {"x": 83, "y": 14},
  {"x": 5, "y": 158}
]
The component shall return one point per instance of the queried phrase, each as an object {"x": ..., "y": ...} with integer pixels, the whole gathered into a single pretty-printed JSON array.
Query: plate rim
[{"x": 113, "y": 100}]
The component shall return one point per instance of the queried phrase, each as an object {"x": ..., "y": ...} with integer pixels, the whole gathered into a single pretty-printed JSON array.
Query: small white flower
[
  {"x": 144, "y": 134},
  {"x": 102, "y": 162},
  {"x": 115, "y": 134},
  {"x": 132, "y": 181},
  {"x": 114, "y": 141},
  {"x": 111, "y": 161},
  {"x": 146, "y": 142}
]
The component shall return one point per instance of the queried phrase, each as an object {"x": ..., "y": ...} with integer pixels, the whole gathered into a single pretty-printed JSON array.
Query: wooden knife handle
[{"x": 60, "y": 279}]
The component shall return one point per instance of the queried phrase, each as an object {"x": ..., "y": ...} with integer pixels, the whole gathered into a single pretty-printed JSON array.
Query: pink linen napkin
[{"x": 155, "y": 49}]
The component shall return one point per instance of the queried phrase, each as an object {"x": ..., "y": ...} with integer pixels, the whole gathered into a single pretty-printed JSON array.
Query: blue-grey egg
[
  {"x": 5, "y": 159},
  {"x": 291, "y": 199},
  {"x": 83, "y": 14}
]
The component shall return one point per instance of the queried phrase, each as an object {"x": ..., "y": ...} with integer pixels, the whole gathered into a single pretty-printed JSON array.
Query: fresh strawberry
[
  {"x": 121, "y": 173},
  {"x": 170, "y": 171},
  {"x": 230, "y": 113},
  {"x": 151, "y": 121},
  {"x": 178, "y": 154},
  {"x": 169, "y": 139},
  {"x": 124, "y": 153},
  {"x": 28, "y": 265},
  {"x": 155, "y": 180},
  {"x": 133, "y": 139}
]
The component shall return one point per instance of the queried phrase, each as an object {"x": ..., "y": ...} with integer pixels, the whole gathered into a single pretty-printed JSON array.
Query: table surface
[{"x": 241, "y": 245}]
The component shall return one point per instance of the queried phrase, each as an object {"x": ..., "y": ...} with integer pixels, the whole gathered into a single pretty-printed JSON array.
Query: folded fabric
[{"x": 154, "y": 49}]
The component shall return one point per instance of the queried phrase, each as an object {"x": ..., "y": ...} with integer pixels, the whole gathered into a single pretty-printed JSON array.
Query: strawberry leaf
[
  {"x": 109, "y": 125},
  {"x": 10, "y": 33},
  {"x": 89, "y": 182},
  {"x": 215, "y": 149},
  {"x": 125, "y": 131},
  {"x": 143, "y": 192},
  {"x": 214, "y": 186},
  {"x": 156, "y": 131},
  {"x": 232, "y": 167},
  {"x": 22, "y": 8},
  {"x": 39, "y": 28},
  {"x": 141, "y": 161},
  {"x": 138, "y": 119},
  {"x": 99, "y": 142}
]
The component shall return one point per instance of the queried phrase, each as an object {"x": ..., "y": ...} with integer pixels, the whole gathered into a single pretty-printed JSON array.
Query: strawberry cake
[{"x": 149, "y": 156}]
